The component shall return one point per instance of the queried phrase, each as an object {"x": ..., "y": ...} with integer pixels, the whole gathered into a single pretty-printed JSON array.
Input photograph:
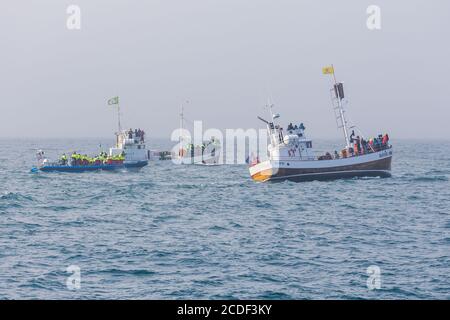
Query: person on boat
[
  {"x": 290, "y": 127},
  {"x": 203, "y": 147},
  {"x": 280, "y": 134},
  {"x": 356, "y": 145},
  {"x": 326, "y": 156},
  {"x": 336, "y": 154},
  {"x": 351, "y": 151},
  {"x": 352, "y": 136},
  {"x": 130, "y": 134},
  {"x": 63, "y": 159},
  {"x": 377, "y": 144},
  {"x": 74, "y": 158},
  {"x": 370, "y": 144},
  {"x": 363, "y": 146},
  {"x": 385, "y": 140}
]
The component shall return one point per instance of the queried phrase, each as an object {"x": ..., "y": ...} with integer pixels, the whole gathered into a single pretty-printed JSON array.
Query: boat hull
[
  {"x": 103, "y": 167},
  {"x": 199, "y": 160},
  {"x": 370, "y": 165},
  {"x": 136, "y": 164},
  {"x": 57, "y": 168}
]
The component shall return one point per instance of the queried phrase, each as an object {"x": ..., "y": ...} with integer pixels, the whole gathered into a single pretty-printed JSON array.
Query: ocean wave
[
  {"x": 10, "y": 200},
  {"x": 16, "y": 197},
  {"x": 124, "y": 272},
  {"x": 430, "y": 179}
]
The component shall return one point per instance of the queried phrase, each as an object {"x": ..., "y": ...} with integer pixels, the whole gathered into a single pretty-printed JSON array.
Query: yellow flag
[{"x": 328, "y": 70}]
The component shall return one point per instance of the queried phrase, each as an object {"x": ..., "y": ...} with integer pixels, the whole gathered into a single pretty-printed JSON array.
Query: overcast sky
[{"x": 227, "y": 57}]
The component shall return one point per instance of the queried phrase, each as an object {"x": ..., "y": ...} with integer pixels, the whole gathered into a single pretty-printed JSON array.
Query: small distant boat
[
  {"x": 205, "y": 154},
  {"x": 291, "y": 155},
  {"x": 156, "y": 155}
]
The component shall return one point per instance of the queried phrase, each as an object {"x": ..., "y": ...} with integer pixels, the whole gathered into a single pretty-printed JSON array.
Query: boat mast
[
  {"x": 339, "y": 97},
  {"x": 181, "y": 124},
  {"x": 180, "y": 140},
  {"x": 114, "y": 101},
  {"x": 271, "y": 126}
]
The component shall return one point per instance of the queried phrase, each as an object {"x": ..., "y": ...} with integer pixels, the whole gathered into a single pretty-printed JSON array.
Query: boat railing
[
  {"x": 369, "y": 150},
  {"x": 324, "y": 155}
]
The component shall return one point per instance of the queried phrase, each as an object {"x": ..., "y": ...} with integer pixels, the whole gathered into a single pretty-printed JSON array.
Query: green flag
[{"x": 112, "y": 101}]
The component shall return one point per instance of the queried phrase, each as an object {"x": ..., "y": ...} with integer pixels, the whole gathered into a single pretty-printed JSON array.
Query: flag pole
[{"x": 334, "y": 75}]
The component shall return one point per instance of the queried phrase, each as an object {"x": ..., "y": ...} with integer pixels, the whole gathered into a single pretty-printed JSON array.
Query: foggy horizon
[{"x": 227, "y": 59}]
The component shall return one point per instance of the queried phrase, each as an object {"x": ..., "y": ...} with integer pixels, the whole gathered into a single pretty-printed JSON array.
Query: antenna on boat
[
  {"x": 182, "y": 122},
  {"x": 271, "y": 124},
  {"x": 339, "y": 95},
  {"x": 270, "y": 106}
]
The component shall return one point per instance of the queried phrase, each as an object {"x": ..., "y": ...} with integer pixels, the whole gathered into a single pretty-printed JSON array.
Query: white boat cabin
[
  {"x": 290, "y": 144},
  {"x": 132, "y": 143}
]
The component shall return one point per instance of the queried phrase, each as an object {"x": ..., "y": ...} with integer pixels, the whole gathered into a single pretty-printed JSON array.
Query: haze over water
[{"x": 227, "y": 58}]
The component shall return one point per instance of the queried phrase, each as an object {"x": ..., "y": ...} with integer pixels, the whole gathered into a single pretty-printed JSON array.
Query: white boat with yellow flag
[{"x": 291, "y": 155}]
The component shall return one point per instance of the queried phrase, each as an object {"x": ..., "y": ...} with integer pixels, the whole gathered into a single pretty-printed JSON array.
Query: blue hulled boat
[{"x": 129, "y": 152}]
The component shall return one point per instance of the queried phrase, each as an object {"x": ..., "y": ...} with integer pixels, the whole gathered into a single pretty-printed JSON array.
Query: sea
[{"x": 192, "y": 232}]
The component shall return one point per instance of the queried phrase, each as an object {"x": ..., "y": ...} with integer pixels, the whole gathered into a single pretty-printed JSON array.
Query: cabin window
[{"x": 309, "y": 144}]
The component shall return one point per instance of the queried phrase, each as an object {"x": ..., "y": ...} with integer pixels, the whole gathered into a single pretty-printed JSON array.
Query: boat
[
  {"x": 207, "y": 153},
  {"x": 129, "y": 152},
  {"x": 291, "y": 154},
  {"x": 157, "y": 155}
]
